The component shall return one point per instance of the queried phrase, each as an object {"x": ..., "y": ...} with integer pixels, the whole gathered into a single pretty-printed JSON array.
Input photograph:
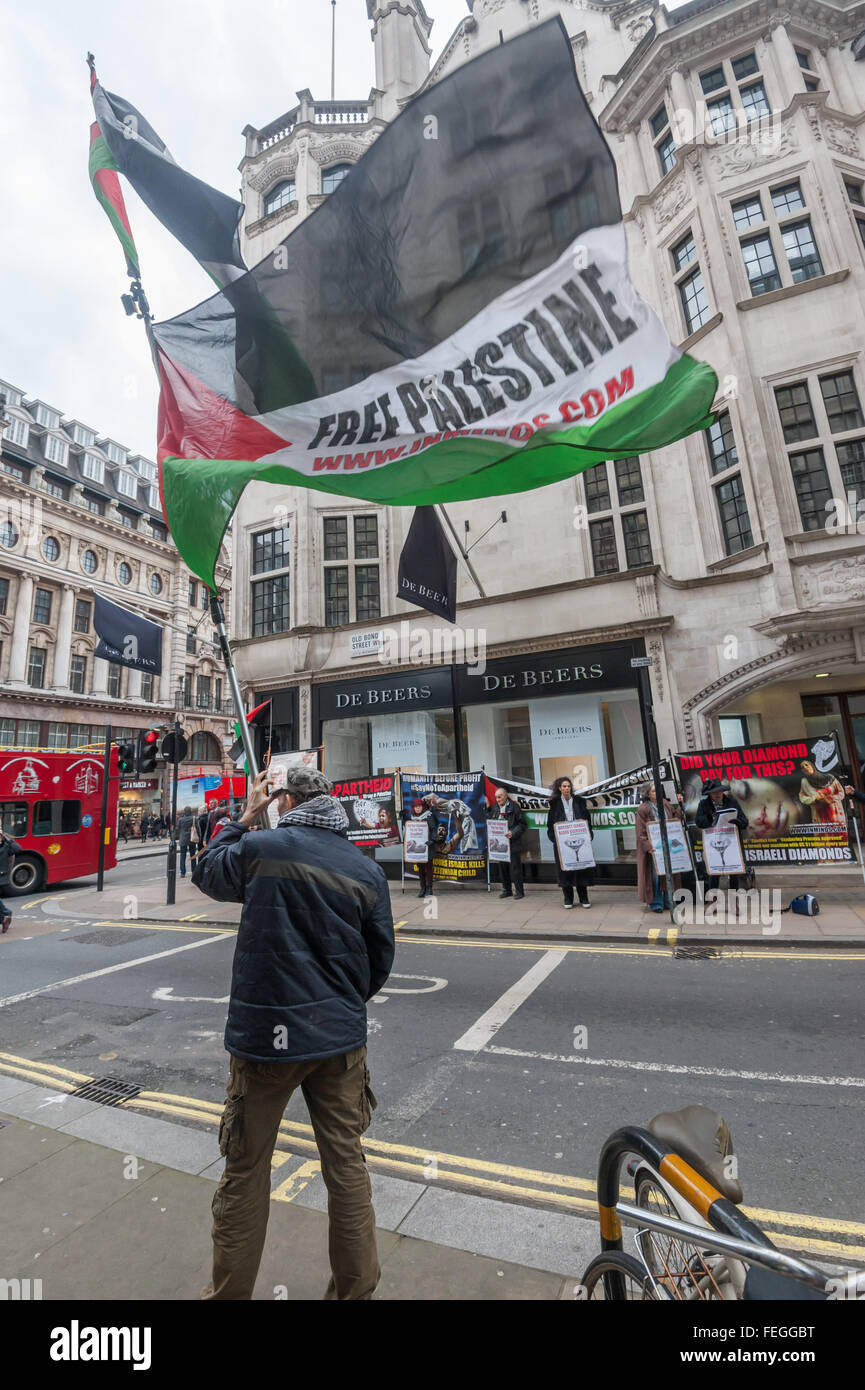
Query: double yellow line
[{"x": 483, "y": 1177}]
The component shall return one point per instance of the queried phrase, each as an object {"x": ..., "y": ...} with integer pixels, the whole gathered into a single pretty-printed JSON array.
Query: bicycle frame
[{"x": 685, "y": 1184}]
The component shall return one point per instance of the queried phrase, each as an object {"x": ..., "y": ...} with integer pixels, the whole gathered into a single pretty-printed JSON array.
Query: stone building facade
[
  {"x": 80, "y": 514},
  {"x": 734, "y": 558}
]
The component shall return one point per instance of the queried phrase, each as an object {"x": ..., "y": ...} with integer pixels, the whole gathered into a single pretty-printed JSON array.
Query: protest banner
[
  {"x": 791, "y": 791},
  {"x": 574, "y": 843},
  {"x": 370, "y": 805},
  {"x": 460, "y": 834}
]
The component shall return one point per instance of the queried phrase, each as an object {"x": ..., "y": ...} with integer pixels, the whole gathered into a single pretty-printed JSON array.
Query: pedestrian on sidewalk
[
  {"x": 202, "y": 827},
  {"x": 315, "y": 943},
  {"x": 5, "y": 918},
  {"x": 185, "y": 827},
  {"x": 8, "y": 849},
  {"x": 145, "y": 826},
  {"x": 420, "y": 811},
  {"x": 716, "y": 799},
  {"x": 124, "y": 829},
  {"x": 511, "y": 874},
  {"x": 652, "y": 888},
  {"x": 564, "y": 805}
]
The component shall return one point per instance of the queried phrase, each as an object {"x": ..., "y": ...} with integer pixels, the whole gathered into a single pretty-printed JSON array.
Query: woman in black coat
[{"x": 564, "y": 805}]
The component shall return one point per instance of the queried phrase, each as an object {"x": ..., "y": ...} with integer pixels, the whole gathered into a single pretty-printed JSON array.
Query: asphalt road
[{"x": 580, "y": 1041}]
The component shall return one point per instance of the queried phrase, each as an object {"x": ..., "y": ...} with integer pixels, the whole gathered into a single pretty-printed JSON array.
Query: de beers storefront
[{"x": 532, "y": 717}]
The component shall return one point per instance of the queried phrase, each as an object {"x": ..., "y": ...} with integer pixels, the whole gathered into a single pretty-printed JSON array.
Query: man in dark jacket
[
  {"x": 8, "y": 849},
  {"x": 716, "y": 800},
  {"x": 512, "y": 875},
  {"x": 315, "y": 943}
]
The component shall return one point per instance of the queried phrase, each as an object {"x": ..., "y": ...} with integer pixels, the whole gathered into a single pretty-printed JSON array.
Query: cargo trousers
[{"x": 338, "y": 1097}]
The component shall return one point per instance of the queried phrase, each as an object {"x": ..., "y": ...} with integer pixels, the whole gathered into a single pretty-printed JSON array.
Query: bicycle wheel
[
  {"x": 676, "y": 1263},
  {"x": 617, "y": 1276}
]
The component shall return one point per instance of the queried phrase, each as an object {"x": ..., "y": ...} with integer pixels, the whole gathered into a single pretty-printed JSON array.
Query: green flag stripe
[
  {"x": 199, "y": 495},
  {"x": 106, "y": 186}
]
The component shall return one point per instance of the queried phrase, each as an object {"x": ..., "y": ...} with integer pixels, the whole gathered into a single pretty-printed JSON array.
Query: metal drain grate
[
  {"x": 696, "y": 953},
  {"x": 106, "y": 1090}
]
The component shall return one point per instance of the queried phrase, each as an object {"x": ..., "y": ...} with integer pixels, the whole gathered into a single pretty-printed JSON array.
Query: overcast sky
[{"x": 199, "y": 70}]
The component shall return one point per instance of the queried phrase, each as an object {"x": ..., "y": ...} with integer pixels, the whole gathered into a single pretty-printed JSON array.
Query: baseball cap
[{"x": 307, "y": 782}]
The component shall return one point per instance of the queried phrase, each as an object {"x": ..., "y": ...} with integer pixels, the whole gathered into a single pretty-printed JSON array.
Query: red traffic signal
[{"x": 148, "y": 751}]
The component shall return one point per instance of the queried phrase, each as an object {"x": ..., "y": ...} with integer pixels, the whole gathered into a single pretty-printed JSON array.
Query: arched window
[
  {"x": 155, "y": 584},
  {"x": 279, "y": 197},
  {"x": 89, "y": 562},
  {"x": 331, "y": 178},
  {"x": 204, "y": 748},
  {"x": 8, "y": 535},
  {"x": 124, "y": 573},
  {"x": 50, "y": 548}
]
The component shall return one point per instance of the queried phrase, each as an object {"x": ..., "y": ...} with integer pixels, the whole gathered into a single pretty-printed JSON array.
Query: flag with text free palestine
[{"x": 454, "y": 321}]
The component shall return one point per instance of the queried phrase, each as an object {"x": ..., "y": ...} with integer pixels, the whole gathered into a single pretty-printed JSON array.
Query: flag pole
[
  {"x": 217, "y": 614},
  {"x": 462, "y": 553}
]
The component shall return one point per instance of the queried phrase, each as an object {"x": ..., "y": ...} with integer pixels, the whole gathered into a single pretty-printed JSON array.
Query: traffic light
[
  {"x": 148, "y": 751},
  {"x": 126, "y": 757}
]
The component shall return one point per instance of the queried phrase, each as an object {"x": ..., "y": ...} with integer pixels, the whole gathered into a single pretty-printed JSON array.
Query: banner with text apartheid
[
  {"x": 460, "y": 834},
  {"x": 791, "y": 791},
  {"x": 370, "y": 804}
]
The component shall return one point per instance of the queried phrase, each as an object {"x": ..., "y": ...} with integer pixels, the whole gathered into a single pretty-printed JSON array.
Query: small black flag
[
  {"x": 126, "y": 638},
  {"x": 428, "y": 566}
]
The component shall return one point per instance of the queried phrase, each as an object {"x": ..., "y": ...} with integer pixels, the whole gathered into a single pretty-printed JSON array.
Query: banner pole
[
  {"x": 855, "y": 820},
  {"x": 100, "y": 872},
  {"x": 655, "y": 758}
]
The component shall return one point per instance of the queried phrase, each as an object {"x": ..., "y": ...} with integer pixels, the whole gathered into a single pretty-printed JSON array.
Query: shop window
[
  {"x": 56, "y": 817},
  {"x": 733, "y": 729},
  {"x": 352, "y": 591}
]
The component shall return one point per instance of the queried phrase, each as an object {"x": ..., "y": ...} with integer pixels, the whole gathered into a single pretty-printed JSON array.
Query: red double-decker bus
[{"x": 51, "y": 804}]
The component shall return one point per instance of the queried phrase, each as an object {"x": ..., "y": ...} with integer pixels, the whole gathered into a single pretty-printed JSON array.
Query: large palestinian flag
[{"x": 454, "y": 321}]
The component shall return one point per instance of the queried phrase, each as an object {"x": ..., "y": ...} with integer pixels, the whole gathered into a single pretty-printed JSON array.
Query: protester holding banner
[
  {"x": 710, "y": 808},
  {"x": 420, "y": 812},
  {"x": 652, "y": 888},
  {"x": 564, "y": 806},
  {"x": 511, "y": 874}
]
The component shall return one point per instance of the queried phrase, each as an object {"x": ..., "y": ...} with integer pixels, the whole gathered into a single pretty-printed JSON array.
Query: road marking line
[
  {"x": 669, "y": 1067},
  {"x": 50, "y": 1068},
  {"x": 300, "y": 1136},
  {"x": 397, "y": 925},
  {"x": 773, "y": 953},
  {"x": 672, "y": 935},
  {"x": 34, "y": 902},
  {"x": 192, "y": 917},
  {"x": 490, "y": 1022},
  {"x": 106, "y": 970},
  {"x": 654, "y": 933},
  {"x": 294, "y": 1184},
  {"x": 136, "y": 925}
]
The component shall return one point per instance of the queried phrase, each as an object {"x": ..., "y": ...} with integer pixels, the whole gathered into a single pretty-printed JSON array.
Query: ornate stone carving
[
  {"x": 694, "y": 161},
  {"x": 655, "y": 648},
  {"x": 284, "y": 167},
  {"x": 332, "y": 150},
  {"x": 671, "y": 202},
  {"x": 822, "y": 586},
  {"x": 742, "y": 155},
  {"x": 490, "y": 6},
  {"x": 842, "y": 138},
  {"x": 647, "y": 596},
  {"x": 638, "y": 27}
]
